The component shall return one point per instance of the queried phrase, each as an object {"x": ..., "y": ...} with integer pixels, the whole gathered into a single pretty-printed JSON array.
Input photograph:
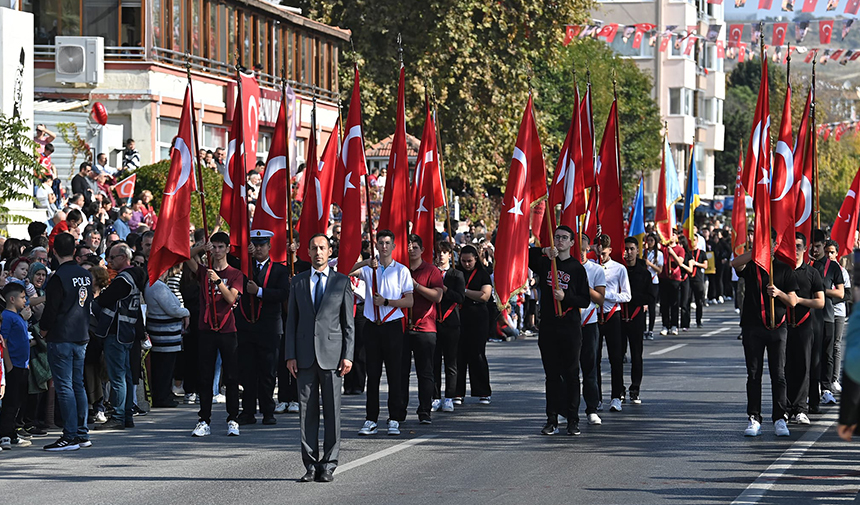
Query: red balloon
[{"x": 99, "y": 113}]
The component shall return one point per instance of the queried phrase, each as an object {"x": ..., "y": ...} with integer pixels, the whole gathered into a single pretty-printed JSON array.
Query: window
[
  {"x": 167, "y": 129},
  {"x": 157, "y": 36},
  {"x": 196, "y": 29},
  {"x": 131, "y": 29},
  {"x": 678, "y": 46},
  {"x": 625, "y": 48},
  {"x": 101, "y": 19},
  {"x": 214, "y": 137},
  {"x": 711, "y": 60},
  {"x": 52, "y": 18},
  {"x": 680, "y": 102}
]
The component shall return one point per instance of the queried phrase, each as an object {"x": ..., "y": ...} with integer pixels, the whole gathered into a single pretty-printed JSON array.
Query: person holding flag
[
  {"x": 617, "y": 293},
  {"x": 633, "y": 312}
]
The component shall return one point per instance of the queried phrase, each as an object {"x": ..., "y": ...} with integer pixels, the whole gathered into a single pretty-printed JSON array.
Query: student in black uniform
[
  {"x": 447, "y": 327},
  {"x": 633, "y": 312},
  {"x": 560, "y": 338},
  {"x": 686, "y": 270},
  {"x": 698, "y": 262},
  {"x": 259, "y": 321},
  {"x": 798, "y": 347},
  {"x": 821, "y": 364},
  {"x": 759, "y": 336}
]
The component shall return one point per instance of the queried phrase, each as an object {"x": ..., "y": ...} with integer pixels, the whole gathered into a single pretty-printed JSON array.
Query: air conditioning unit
[{"x": 80, "y": 59}]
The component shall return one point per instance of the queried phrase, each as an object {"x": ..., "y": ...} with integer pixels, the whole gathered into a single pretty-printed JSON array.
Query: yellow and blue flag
[
  {"x": 691, "y": 199},
  {"x": 637, "y": 216}
]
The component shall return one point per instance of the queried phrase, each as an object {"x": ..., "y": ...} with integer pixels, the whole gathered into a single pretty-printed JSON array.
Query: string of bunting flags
[
  {"x": 837, "y": 130},
  {"x": 685, "y": 39}
]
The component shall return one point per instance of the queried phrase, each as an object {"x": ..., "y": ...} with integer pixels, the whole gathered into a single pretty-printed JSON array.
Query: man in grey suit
[{"x": 319, "y": 346}]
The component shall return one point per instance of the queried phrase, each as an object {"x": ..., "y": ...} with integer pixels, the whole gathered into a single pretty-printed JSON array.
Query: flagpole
[
  {"x": 201, "y": 190},
  {"x": 289, "y": 223},
  {"x": 814, "y": 133},
  {"x": 767, "y": 228},
  {"x": 441, "y": 166}
]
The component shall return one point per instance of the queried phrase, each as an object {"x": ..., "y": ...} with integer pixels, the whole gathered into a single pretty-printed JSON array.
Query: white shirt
[
  {"x": 701, "y": 243},
  {"x": 617, "y": 285},
  {"x": 104, "y": 169},
  {"x": 392, "y": 283},
  {"x": 596, "y": 278},
  {"x": 839, "y": 308},
  {"x": 656, "y": 257},
  {"x": 316, "y": 278},
  {"x": 260, "y": 266}
]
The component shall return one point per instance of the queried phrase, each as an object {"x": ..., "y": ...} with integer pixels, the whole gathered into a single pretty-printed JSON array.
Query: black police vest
[{"x": 73, "y": 318}]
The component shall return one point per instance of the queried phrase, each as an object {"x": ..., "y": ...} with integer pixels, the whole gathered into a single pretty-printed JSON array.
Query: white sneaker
[
  {"x": 485, "y": 400},
  {"x": 827, "y": 398},
  {"x": 600, "y": 406},
  {"x": 836, "y": 386},
  {"x": 562, "y": 419},
  {"x": 448, "y": 405},
  {"x": 753, "y": 429},
  {"x": 201, "y": 430},
  {"x": 369, "y": 428},
  {"x": 615, "y": 405},
  {"x": 458, "y": 401},
  {"x": 190, "y": 398},
  {"x": 721, "y": 299},
  {"x": 100, "y": 417},
  {"x": 802, "y": 419},
  {"x": 232, "y": 429},
  {"x": 436, "y": 405},
  {"x": 780, "y": 428},
  {"x": 293, "y": 408},
  {"x": 219, "y": 398},
  {"x": 674, "y": 330},
  {"x": 281, "y": 407},
  {"x": 594, "y": 419},
  {"x": 393, "y": 427},
  {"x": 737, "y": 311},
  {"x": 692, "y": 305},
  {"x": 178, "y": 390},
  {"x": 5, "y": 443},
  {"x": 664, "y": 331}
]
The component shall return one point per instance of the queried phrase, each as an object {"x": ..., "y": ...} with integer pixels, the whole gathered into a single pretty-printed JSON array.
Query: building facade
[{"x": 689, "y": 89}]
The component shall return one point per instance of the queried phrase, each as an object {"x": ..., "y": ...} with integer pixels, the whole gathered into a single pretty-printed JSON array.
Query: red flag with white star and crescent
[
  {"x": 271, "y": 213},
  {"x": 526, "y": 186},
  {"x": 428, "y": 192}
]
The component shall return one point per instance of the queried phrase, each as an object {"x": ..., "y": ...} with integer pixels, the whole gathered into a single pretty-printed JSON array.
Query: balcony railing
[{"x": 197, "y": 63}]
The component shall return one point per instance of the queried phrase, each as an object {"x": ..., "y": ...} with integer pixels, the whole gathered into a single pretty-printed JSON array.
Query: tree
[
  {"x": 154, "y": 178},
  {"x": 18, "y": 161},
  {"x": 474, "y": 55},
  {"x": 638, "y": 114}
]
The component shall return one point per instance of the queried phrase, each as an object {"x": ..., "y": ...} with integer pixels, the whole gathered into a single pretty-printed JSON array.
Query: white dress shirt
[
  {"x": 617, "y": 286},
  {"x": 260, "y": 266},
  {"x": 316, "y": 278},
  {"x": 393, "y": 282},
  {"x": 596, "y": 279}
]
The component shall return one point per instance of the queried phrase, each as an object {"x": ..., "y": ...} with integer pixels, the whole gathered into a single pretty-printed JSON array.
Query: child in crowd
[{"x": 14, "y": 330}]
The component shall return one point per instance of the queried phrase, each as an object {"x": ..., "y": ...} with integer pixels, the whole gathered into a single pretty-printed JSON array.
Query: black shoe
[
  {"x": 22, "y": 433},
  {"x": 62, "y": 445},
  {"x": 310, "y": 476},
  {"x": 166, "y": 405},
  {"x": 814, "y": 410},
  {"x": 245, "y": 420},
  {"x": 699, "y": 325},
  {"x": 83, "y": 442},
  {"x": 137, "y": 411},
  {"x": 424, "y": 419},
  {"x": 325, "y": 476},
  {"x": 269, "y": 420},
  {"x": 111, "y": 424},
  {"x": 129, "y": 424},
  {"x": 36, "y": 431},
  {"x": 573, "y": 428},
  {"x": 551, "y": 428}
]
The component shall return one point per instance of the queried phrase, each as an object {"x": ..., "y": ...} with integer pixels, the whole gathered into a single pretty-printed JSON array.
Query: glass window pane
[
  {"x": 195, "y": 27},
  {"x": 214, "y": 136},
  {"x": 132, "y": 26},
  {"x": 176, "y": 21},
  {"x": 156, "y": 23},
  {"x": 246, "y": 40},
  {"x": 167, "y": 129},
  {"x": 52, "y": 18},
  {"x": 101, "y": 19},
  {"x": 674, "y": 101},
  {"x": 227, "y": 56}
]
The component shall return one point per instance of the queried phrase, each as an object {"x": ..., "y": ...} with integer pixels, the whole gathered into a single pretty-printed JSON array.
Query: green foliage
[
  {"x": 70, "y": 134},
  {"x": 837, "y": 165},
  {"x": 474, "y": 54},
  {"x": 154, "y": 178},
  {"x": 18, "y": 161},
  {"x": 638, "y": 114}
]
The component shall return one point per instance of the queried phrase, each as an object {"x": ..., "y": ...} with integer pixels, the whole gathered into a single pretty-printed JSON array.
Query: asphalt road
[{"x": 683, "y": 445}]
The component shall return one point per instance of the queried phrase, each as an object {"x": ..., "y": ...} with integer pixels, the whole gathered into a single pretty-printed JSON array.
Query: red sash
[{"x": 260, "y": 304}]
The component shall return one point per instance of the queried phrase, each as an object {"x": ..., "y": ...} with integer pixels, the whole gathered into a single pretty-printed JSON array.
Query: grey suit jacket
[{"x": 326, "y": 337}]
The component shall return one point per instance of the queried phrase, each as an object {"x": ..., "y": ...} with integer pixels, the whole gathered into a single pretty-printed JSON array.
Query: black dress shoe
[
  {"x": 325, "y": 476},
  {"x": 245, "y": 420},
  {"x": 309, "y": 476},
  {"x": 269, "y": 420}
]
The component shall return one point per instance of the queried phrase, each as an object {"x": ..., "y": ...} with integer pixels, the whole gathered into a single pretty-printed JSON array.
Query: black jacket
[
  {"x": 572, "y": 279},
  {"x": 640, "y": 284},
  {"x": 276, "y": 291},
  {"x": 456, "y": 284}
]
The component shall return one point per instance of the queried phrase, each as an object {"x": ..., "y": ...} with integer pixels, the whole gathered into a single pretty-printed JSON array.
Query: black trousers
[
  {"x": 94, "y": 370},
  {"x": 798, "y": 354},
  {"x": 188, "y": 362},
  {"x": 827, "y": 356},
  {"x": 257, "y": 369},
  {"x": 383, "y": 345},
  {"x": 685, "y": 303},
  {"x": 162, "y": 364},
  {"x": 756, "y": 341},
  {"x": 13, "y": 401},
  {"x": 588, "y": 363},
  {"x": 422, "y": 345},
  {"x": 670, "y": 302},
  {"x": 288, "y": 388},
  {"x": 697, "y": 294},
  {"x": 472, "y": 353},
  {"x": 633, "y": 332},
  {"x": 355, "y": 379},
  {"x": 447, "y": 341},
  {"x": 559, "y": 353},
  {"x": 610, "y": 331},
  {"x": 210, "y": 344},
  {"x": 652, "y": 307}
]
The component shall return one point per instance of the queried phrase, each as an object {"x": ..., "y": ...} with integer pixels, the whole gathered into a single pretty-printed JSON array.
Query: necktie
[
  {"x": 318, "y": 292},
  {"x": 257, "y": 271}
]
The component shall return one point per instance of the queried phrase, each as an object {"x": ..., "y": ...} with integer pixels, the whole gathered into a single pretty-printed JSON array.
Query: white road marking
[
  {"x": 712, "y": 333},
  {"x": 383, "y": 453},
  {"x": 756, "y": 491},
  {"x": 668, "y": 349}
]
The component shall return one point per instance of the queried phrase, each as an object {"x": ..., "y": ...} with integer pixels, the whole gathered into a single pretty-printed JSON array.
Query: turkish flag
[
  {"x": 610, "y": 213},
  {"x": 739, "y": 213},
  {"x": 125, "y": 187},
  {"x": 765, "y": 4},
  {"x": 429, "y": 191},
  {"x": 844, "y": 229},
  {"x": 803, "y": 174},
  {"x": 664, "y": 42},
  {"x": 825, "y": 31},
  {"x": 782, "y": 192},
  {"x": 810, "y": 55},
  {"x": 526, "y": 185},
  {"x": 250, "y": 96},
  {"x": 234, "y": 207},
  {"x": 395, "y": 201},
  {"x": 736, "y": 32},
  {"x": 742, "y": 52},
  {"x": 721, "y": 50},
  {"x": 235, "y": 151},
  {"x": 271, "y": 213},
  {"x": 590, "y": 226},
  {"x": 809, "y": 5},
  {"x": 661, "y": 210},
  {"x": 691, "y": 43},
  {"x": 637, "y": 38},
  {"x": 171, "y": 244},
  {"x": 758, "y": 147},
  {"x": 852, "y": 7},
  {"x": 836, "y": 54},
  {"x": 779, "y": 30},
  {"x": 609, "y": 32},
  {"x": 570, "y": 33},
  {"x": 318, "y": 182},
  {"x": 586, "y": 138},
  {"x": 347, "y": 184}
]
